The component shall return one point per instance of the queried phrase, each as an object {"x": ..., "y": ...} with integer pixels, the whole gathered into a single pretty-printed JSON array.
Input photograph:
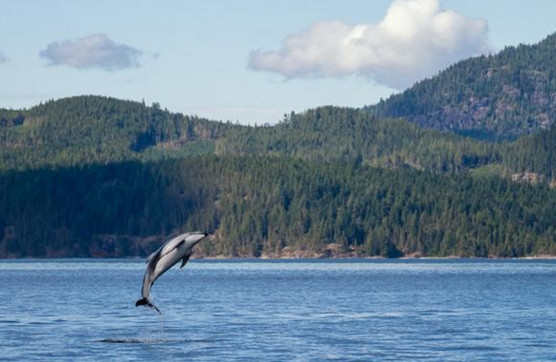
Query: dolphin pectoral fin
[{"x": 184, "y": 260}]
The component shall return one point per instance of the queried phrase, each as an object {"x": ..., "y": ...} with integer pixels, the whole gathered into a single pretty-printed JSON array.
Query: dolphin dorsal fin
[{"x": 152, "y": 255}]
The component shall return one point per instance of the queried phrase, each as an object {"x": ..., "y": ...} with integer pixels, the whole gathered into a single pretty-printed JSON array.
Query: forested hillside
[
  {"x": 256, "y": 206},
  {"x": 500, "y": 96},
  {"x": 352, "y": 135},
  {"x": 94, "y": 129},
  {"x": 533, "y": 154}
]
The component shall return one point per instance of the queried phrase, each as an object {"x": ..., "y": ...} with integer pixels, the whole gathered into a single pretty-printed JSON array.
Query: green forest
[
  {"x": 460, "y": 164},
  {"x": 94, "y": 129},
  {"x": 100, "y": 130},
  {"x": 496, "y": 97},
  {"x": 255, "y": 206}
]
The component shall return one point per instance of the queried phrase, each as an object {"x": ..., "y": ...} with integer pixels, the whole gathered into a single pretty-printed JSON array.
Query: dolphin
[{"x": 165, "y": 257}]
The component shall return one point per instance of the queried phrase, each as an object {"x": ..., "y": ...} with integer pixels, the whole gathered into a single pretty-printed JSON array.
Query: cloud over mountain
[
  {"x": 415, "y": 39},
  {"x": 93, "y": 51}
]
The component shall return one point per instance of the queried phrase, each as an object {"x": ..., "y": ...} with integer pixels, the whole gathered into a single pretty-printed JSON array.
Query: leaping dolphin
[{"x": 165, "y": 257}]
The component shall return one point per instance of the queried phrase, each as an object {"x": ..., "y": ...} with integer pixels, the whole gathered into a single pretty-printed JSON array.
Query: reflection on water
[{"x": 280, "y": 310}]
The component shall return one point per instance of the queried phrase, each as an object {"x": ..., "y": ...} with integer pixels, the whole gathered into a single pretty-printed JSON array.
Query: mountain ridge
[
  {"x": 496, "y": 97},
  {"x": 96, "y": 129}
]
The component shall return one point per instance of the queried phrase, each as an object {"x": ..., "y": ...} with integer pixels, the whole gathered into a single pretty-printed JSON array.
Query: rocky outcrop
[{"x": 529, "y": 177}]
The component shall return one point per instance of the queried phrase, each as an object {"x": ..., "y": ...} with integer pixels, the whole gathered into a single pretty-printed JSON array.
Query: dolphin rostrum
[{"x": 165, "y": 257}]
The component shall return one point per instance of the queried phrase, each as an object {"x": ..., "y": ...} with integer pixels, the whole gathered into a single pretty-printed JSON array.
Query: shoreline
[
  {"x": 540, "y": 257},
  {"x": 288, "y": 258}
]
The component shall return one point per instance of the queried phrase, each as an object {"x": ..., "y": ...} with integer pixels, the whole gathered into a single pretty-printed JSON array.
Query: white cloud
[
  {"x": 415, "y": 39},
  {"x": 93, "y": 51}
]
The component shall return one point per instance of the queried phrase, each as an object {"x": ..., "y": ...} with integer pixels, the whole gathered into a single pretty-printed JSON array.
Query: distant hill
[
  {"x": 96, "y": 129},
  {"x": 499, "y": 97},
  {"x": 101, "y": 130},
  {"x": 494, "y": 97},
  {"x": 352, "y": 135}
]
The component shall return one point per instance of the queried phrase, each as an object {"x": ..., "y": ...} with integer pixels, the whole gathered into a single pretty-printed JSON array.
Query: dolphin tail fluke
[
  {"x": 143, "y": 301},
  {"x": 146, "y": 302}
]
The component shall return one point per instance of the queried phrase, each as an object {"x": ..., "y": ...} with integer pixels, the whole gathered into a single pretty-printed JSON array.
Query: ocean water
[{"x": 303, "y": 310}]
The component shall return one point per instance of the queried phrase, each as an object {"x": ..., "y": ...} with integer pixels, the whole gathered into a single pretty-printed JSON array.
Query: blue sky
[{"x": 248, "y": 61}]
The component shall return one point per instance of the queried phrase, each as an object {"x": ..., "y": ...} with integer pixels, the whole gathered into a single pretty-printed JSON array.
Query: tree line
[{"x": 256, "y": 205}]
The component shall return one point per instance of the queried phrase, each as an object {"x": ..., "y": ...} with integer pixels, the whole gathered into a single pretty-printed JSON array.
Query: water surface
[{"x": 280, "y": 310}]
